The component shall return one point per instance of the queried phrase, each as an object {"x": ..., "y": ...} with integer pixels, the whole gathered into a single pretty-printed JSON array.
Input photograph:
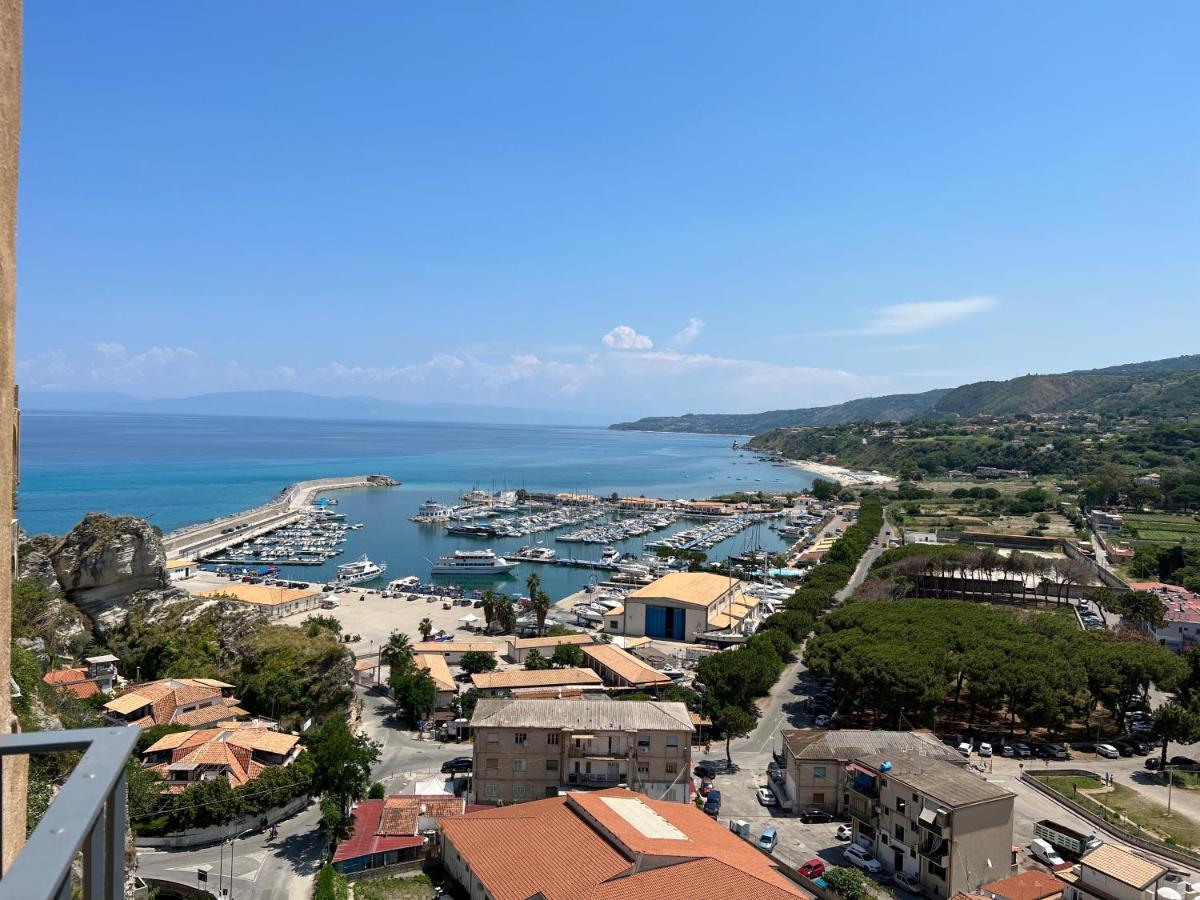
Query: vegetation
[
  {"x": 330, "y": 885},
  {"x": 847, "y": 882},
  {"x": 1126, "y": 808},
  {"x": 475, "y": 661},
  {"x": 341, "y": 772}
]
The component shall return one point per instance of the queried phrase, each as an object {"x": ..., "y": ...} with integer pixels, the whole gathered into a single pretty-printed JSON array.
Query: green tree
[
  {"x": 824, "y": 489},
  {"x": 846, "y": 882},
  {"x": 315, "y": 624},
  {"x": 414, "y": 693},
  {"x": 330, "y": 885},
  {"x": 533, "y": 584},
  {"x": 341, "y": 762},
  {"x": 731, "y": 722},
  {"x": 425, "y": 627},
  {"x": 491, "y": 601},
  {"x": 1175, "y": 722},
  {"x": 535, "y": 662},
  {"x": 567, "y": 656},
  {"x": 397, "y": 653},
  {"x": 539, "y": 602},
  {"x": 377, "y": 791},
  {"x": 476, "y": 661}
]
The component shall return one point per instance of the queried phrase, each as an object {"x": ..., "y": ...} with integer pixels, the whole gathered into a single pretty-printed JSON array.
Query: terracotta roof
[
  {"x": 456, "y": 647},
  {"x": 365, "y": 665},
  {"x": 1128, "y": 868},
  {"x": 436, "y": 666},
  {"x": 553, "y": 641},
  {"x": 690, "y": 588},
  {"x": 608, "y": 845},
  {"x": 519, "y": 678},
  {"x": 73, "y": 681},
  {"x": 231, "y": 747},
  {"x": 260, "y": 594},
  {"x": 166, "y": 696},
  {"x": 364, "y": 841},
  {"x": 627, "y": 667},
  {"x": 65, "y": 676},
  {"x": 402, "y": 814},
  {"x": 1032, "y": 885},
  {"x": 207, "y": 715}
]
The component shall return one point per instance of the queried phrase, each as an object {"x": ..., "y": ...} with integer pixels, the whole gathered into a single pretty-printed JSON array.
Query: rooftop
[
  {"x": 598, "y": 715},
  {"x": 260, "y": 594},
  {"x": 625, "y": 665},
  {"x": 691, "y": 588},
  {"x": 1032, "y": 885},
  {"x": 950, "y": 784},
  {"x": 435, "y": 665},
  {"x": 456, "y": 647},
  {"x": 538, "y": 643},
  {"x": 608, "y": 845},
  {"x": 365, "y": 840},
  {"x": 519, "y": 678},
  {"x": 848, "y": 743},
  {"x": 1127, "y": 868}
]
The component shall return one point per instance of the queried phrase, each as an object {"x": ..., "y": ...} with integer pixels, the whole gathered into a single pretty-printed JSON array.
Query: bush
[
  {"x": 330, "y": 885},
  {"x": 377, "y": 792}
]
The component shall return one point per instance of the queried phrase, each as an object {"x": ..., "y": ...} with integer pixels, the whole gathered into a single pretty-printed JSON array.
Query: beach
[{"x": 841, "y": 475}]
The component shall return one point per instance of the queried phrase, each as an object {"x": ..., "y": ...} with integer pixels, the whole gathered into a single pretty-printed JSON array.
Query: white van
[
  {"x": 1043, "y": 852},
  {"x": 1108, "y": 751}
]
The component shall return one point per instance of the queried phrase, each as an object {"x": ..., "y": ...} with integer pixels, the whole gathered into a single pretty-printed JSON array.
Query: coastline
[{"x": 843, "y": 476}]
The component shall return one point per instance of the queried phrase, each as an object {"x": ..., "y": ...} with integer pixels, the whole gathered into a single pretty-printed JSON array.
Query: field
[
  {"x": 417, "y": 887},
  {"x": 1162, "y": 528},
  {"x": 1120, "y": 801}
]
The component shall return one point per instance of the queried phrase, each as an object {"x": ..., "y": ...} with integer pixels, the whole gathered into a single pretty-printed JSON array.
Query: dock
[
  {"x": 573, "y": 563},
  {"x": 208, "y": 538}
]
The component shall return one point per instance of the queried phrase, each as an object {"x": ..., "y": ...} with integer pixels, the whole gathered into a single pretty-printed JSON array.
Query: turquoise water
[{"x": 176, "y": 470}]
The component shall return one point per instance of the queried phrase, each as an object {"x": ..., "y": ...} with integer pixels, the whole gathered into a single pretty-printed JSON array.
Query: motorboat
[
  {"x": 472, "y": 562},
  {"x": 359, "y": 571}
]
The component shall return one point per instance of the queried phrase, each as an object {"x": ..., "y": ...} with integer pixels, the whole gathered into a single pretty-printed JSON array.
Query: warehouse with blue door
[{"x": 684, "y": 606}]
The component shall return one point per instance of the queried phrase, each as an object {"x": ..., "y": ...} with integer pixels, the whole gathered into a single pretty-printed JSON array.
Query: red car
[{"x": 814, "y": 868}]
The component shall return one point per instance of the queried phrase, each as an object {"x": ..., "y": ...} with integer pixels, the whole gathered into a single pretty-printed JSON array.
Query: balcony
[
  {"x": 935, "y": 849},
  {"x": 863, "y": 788},
  {"x": 596, "y": 779},
  {"x": 935, "y": 822},
  {"x": 88, "y": 815},
  {"x": 596, "y": 753}
]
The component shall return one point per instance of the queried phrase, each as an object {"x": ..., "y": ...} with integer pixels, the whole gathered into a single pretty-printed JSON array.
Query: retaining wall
[{"x": 214, "y": 834}]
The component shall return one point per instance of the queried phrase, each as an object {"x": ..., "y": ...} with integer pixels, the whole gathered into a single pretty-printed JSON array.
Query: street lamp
[{"x": 221, "y": 864}]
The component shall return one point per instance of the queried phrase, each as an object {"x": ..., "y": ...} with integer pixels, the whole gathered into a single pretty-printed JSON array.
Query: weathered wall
[{"x": 15, "y": 771}]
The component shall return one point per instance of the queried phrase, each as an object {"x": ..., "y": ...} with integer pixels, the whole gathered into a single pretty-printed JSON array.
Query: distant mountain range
[
  {"x": 295, "y": 405},
  {"x": 1164, "y": 387}
]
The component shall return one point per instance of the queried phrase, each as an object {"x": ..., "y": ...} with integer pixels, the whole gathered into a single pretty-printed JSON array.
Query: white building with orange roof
[
  {"x": 235, "y": 752},
  {"x": 195, "y": 702}
]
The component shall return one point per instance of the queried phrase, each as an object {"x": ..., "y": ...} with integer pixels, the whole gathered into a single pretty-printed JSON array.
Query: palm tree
[
  {"x": 426, "y": 628},
  {"x": 489, "y": 600},
  {"x": 533, "y": 584},
  {"x": 539, "y": 601},
  {"x": 397, "y": 653}
]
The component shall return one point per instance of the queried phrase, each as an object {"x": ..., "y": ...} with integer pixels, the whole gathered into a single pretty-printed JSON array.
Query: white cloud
[
  {"x": 911, "y": 318},
  {"x": 625, "y": 338},
  {"x": 688, "y": 333}
]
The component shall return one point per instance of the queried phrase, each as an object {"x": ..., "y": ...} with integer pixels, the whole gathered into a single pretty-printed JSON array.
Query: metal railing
[{"x": 88, "y": 814}]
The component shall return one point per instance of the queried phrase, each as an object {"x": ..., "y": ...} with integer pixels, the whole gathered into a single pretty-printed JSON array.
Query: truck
[{"x": 1071, "y": 842}]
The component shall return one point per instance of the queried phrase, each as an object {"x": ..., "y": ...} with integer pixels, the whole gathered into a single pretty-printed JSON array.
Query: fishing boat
[
  {"x": 472, "y": 562},
  {"x": 362, "y": 569}
]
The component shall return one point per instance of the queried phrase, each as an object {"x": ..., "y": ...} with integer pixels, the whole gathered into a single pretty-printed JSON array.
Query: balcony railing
[
  {"x": 596, "y": 753},
  {"x": 594, "y": 778},
  {"x": 88, "y": 814}
]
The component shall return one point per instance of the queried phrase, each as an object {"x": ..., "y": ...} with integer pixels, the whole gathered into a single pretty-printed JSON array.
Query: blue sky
[{"x": 617, "y": 207}]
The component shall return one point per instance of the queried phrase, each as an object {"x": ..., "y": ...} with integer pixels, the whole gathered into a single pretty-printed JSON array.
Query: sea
[{"x": 176, "y": 470}]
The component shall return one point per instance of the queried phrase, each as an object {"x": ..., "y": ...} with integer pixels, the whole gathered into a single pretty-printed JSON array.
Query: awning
[
  {"x": 928, "y": 816},
  {"x": 853, "y": 769},
  {"x": 582, "y": 737}
]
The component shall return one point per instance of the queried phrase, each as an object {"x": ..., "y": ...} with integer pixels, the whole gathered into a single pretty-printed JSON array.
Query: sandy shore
[{"x": 842, "y": 476}]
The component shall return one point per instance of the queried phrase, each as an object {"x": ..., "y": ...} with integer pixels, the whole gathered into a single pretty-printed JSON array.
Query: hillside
[{"x": 1156, "y": 389}]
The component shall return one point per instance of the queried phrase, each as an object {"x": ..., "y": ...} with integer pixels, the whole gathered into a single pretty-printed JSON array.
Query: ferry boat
[
  {"x": 432, "y": 509},
  {"x": 472, "y": 562},
  {"x": 362, "y": 569}
]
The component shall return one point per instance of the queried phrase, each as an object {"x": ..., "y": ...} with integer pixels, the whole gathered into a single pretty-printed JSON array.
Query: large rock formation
[{"x": 106, "y": 558}]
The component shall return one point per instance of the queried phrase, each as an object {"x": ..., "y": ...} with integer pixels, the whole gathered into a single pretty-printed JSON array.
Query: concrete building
[
  {"x": 1031, "y": 885},
  {"x": 937, "y": 821},
  {"x": 813, "y": 762},
  {"x": 622, "y": 669},
  {"x": 1181, "y": 615},
  {"x": 452, "y": 651},
  {"x": 519, "y": 648},
  {"x": 530, "y": 749},
  {"x": 1112, "y": 873},
  {"x": 606, "y": 845},
  {"x": 682, "y": 606},
  {"x": 273, "y": 602}
]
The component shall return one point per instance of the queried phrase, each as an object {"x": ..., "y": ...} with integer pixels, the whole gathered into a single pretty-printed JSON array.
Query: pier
[{"x": 293, "y": 502}]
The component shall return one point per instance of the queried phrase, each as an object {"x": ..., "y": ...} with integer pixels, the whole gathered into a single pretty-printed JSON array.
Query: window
[
  {"x": 518, "y": 765},
  {"x": 643, "y": 742},
  {"x": 492, "y": 791},
  {"x": 899, "y": 832},
  {"x": 493, "y": 737},
  {"x": 552, "y": 739},
  {"x": 912, "y": 854},
  {"x": 521, "y": 738},
  {"x": 916, "y": 798},
  {"x": 883, "y": 839},
  {"x": 614, "y": 624},
  {"x": 818, "y": 771},
  {"x": 552, "y": 765},
  {"x": 899, "y": 805},
  {"x": 519, "y": 789},
  {"x": 643, "y": 768},
  {"x": 672, "y": 741},
  {"x": 493, "y": 765},
  {"x": 671, "y": 768},
  {"x": 818, "y": 799}
]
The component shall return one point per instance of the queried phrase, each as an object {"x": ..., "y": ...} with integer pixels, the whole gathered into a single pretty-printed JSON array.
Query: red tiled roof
[
  {"x": 364, "y": 841},
  {"x": 1032, "y": 885},
  {"x": 401, "y": 814}
]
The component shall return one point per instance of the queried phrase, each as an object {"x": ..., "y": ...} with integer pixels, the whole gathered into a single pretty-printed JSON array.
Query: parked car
[
  {"x": 766, "y": 796},
  {"x": 823, "y": 721},
  {"x": 1024, "y": 751},
  {"x": 705, "y": 787},
  {"x": 860, "y": 857},
  {"x": 712, "y": 804},
  {"x": 844, "y": 832},
  {"x": 910, "y": 883},
  {"x": 1008, "y": 750},
  {"x": 457, "y": 765},
  {"x": 814, "y": 868},
  {"x": 985, "y": 749},
  {"x": 1084, "y": 746},
  {"x": 1182, "y": 761},
  {"x": 814, "y": 816},
  {"x": 965, "y": 748},
  {"x": 705, "y": 771},
  {"x": 774, "y": 771},
  {"x": 768, "y": 840},
  {"x": 1108, "y": 751},
  {"x": 1043, "y": 852},
  {"x": 1153, "y": 762},
  {"x": 1124, "y": 747}
]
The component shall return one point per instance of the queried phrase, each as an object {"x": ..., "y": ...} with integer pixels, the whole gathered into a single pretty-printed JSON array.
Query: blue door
[
  {"x": 656, "y": 621},
  {"x": 676, "y": 629}
]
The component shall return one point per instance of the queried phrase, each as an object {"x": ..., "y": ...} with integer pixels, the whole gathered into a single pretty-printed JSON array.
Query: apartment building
[
  {"x": 813, "y": 762},
  {"x": 937, "y": 821},
  {"x": 531, "y": 749}
]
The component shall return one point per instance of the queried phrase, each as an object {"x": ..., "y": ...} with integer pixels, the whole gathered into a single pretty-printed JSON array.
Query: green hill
[{"x": 1155, "y": 389}]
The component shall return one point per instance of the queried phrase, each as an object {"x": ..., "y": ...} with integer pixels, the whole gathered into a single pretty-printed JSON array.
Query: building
[
  {"x": 439, "y": 671},
  {"x": 1032, "y": 885},
  {"x": 393, "y": 831},
  {"x": 519, "y": 648},
  {"x": 530, "y": 749},
  {"x": 180, "y": 569},
  {"x": 99, "y": 676},
  {"x": 194, "y": 702},
  {"x": 606, "y": 845},
  {"x": 452, "y": 651},
  {"x": 239, "y": 754},
  {"x": 488, "y": 683},
  {"x": 813, "y": 762},
  {"x": 1112, "y": 873},
  {"x": 939, "y": 822},
  {"x": 1181, "y": 615},
  {"x": 682, "y": 606},
  {"x": 273, "y": 602},
  {"x": 622, "y": 669}
]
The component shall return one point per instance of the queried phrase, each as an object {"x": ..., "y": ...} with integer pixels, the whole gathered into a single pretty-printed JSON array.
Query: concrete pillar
[{"x": 15, "y": 770}]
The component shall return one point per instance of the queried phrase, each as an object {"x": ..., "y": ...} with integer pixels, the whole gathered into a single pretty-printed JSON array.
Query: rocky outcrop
[
  {"x": 33, "y": 560},
  {"x": 104, "y": 559}
]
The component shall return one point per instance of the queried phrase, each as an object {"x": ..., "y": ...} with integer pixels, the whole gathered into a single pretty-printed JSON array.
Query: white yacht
[
  {"x": 404, "y": 584},
  {"x": 472, "y": 562},
  {"x": 362, "y": 569}
]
